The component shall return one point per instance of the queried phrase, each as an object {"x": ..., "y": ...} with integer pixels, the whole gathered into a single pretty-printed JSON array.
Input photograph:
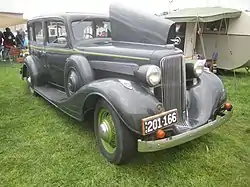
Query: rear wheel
[
  {"x": 30, "y": 83},
  {"x": 116, "y": 142}
]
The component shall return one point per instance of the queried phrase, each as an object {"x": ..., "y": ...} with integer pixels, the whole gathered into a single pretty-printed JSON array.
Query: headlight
[
  {"x": 153, "y": 75},
  {"x": 199, "y": 67},
  {"x": 148, "y": 74}
]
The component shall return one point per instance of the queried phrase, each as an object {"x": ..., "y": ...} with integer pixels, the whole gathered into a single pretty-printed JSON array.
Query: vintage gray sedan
[{"x": 125, "y": 70}]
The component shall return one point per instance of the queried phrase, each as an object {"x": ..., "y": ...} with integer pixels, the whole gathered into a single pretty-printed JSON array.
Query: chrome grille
[{"x": 173, "y": 83}]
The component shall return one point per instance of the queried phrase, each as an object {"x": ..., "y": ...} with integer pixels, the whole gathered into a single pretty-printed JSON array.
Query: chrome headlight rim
[
  {"x": 153, "y": 75},
  {"x": 199, "y": 67}
]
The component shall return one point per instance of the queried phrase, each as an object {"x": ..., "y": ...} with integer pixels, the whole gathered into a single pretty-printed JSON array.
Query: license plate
[{"x": 159, "y": 121}]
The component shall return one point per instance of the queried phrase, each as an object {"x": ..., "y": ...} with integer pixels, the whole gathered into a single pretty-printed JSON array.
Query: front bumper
[{"x": 156, "y": 145}]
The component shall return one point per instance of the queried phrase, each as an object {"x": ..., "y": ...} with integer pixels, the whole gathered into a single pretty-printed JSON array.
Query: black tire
[
  {"x": 77, "y": 73},
  {"x": 30, "y": 82},
  {"x": 126, "y": 143}
]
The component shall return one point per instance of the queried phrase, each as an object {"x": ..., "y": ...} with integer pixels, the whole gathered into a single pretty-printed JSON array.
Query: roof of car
[{"x": 72, "y": 15}]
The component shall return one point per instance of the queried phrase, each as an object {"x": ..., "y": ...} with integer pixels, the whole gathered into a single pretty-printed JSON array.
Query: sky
[{"x": 32, "y": 8}]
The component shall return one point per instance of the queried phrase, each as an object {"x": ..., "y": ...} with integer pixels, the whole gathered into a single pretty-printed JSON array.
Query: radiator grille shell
[{"x": 173, "y": 84}]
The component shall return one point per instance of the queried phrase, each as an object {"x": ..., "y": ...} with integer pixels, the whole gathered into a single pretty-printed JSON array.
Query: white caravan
[{"x": 221, "y": 34}]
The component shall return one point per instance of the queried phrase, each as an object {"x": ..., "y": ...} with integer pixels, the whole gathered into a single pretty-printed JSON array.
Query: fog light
[
  {"x": 228, "y": 106},
  {"x": 160, "y": 134}
]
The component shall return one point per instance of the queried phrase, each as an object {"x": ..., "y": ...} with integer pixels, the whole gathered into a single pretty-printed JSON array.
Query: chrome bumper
[{"x": 150, "y": 146}]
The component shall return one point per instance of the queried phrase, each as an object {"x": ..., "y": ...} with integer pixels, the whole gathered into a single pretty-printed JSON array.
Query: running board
[{"x": 51, "y": 93}]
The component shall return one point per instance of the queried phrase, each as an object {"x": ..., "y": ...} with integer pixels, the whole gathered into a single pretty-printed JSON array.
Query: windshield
[{"x": 87, "y": 29}]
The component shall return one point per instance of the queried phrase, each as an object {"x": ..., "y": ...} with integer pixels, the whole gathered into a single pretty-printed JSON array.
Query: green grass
[{"x": 40, "y": 146}]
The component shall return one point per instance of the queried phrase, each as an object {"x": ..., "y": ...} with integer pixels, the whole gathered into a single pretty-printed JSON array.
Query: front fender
[
  {"x": 131, "y": 101},
  {"x": 37, "y": 70},
  {"x": 205, "y": 98}
]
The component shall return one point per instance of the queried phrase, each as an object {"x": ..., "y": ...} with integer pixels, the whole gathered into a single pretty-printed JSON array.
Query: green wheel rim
[{"x": 104, "y": 117}]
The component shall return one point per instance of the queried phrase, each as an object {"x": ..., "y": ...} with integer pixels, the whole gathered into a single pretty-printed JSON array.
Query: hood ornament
[{"x": 176, "y": 40}]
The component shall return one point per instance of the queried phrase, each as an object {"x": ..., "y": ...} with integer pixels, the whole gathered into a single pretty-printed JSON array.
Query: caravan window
[{"x": 219, "y": 26}]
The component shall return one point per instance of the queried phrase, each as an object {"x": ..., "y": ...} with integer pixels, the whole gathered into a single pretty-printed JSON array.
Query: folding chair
[
  {"x": 14, "y": 54},
  {"x": 211, "y": 63}
]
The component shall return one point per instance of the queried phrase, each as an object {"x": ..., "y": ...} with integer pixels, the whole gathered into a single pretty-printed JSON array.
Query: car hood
[{"x": 133, "y": 26}]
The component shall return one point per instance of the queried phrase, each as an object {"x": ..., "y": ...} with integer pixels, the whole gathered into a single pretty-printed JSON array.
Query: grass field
[{"x": 40, "y": 146}]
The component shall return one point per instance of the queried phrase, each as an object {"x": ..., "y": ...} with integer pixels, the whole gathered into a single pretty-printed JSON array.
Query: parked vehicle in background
[{"x": 221, "y": 35}]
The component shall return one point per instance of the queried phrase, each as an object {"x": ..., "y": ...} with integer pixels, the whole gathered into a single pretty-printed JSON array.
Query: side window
[
  {"x": 56, "y": 32},
  {"x": 87, "y": 29},
  {"x": 102, "y": 29},
  {"x": 38, "y": 29},
  {"x": 30, "y": 32},
  {"x": 82, "y": 29},
  {"x": 216, "y": 27}
]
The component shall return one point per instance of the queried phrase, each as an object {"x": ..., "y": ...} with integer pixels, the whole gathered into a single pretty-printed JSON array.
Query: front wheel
[{"x": 116, "y": 142}]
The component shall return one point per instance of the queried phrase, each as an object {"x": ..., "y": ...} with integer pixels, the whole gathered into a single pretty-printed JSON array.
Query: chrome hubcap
[
  {"x": 72, "y": 82},
  {"x": 29, "y": 80},
  {"x": 30, "y": 84},
  {"x": 104, "y": 132}
]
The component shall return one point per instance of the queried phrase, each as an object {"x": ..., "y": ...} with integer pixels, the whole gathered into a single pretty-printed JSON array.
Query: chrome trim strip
[
  {"x": 116, "y": 67},
  {"x": 168, "y": 46},
  {"x": 185, "y": 111},
  {"x": 151, "y": 146},
  {"x": 161, "y": 65}
]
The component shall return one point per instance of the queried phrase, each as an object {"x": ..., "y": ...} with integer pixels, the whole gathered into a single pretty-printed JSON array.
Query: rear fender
[
  {"x": 38, "y": 72},
  {"x": 131, "y": 101}
]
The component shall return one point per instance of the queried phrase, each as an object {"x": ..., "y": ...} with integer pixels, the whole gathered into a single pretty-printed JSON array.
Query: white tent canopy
[{"x": 7, "y": 20}]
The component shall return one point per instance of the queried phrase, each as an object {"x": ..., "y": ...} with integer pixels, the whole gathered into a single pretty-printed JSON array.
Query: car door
[
  {"x": 36, "y": 41},
  {"x": 57, "y": 50}
]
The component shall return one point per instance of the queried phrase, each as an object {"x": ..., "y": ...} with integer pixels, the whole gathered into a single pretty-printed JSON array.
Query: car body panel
[
  {"x": 122, "y": 94},
  {"x": 55, "y": 61},
  {"x": 204, "y": 99},
  {"x": 131, "y": 25},
  {"x": 39, "y": 73},
  {"x": 142, "y": 40}
]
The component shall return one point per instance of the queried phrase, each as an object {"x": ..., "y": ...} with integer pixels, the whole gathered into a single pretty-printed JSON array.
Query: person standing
[
  {"x": 8, "y": 42},
  {"x": 19, "y": 40},
  {"x": 1, "y": 43},
  {"x": 22, "y": 33}
]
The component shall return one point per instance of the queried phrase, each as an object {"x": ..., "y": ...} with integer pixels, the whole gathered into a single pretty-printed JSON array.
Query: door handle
[{"x": 43, "y": 53}]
